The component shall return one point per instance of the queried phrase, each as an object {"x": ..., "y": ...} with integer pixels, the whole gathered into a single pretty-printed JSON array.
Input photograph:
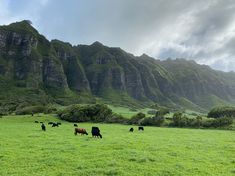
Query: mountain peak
[
  {"x": 23, "y": 27},
  {"x": 97, "y": 43}
]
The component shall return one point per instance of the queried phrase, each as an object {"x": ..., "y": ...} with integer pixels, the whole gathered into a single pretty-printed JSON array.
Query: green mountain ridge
[{"x": 34, "y": 70}]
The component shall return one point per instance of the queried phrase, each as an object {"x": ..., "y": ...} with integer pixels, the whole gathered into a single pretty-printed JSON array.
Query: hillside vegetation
[{"x": 35, "y": 71}]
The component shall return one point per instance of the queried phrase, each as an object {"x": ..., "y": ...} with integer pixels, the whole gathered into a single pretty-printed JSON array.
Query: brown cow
[{"x": 80, "y": 130}]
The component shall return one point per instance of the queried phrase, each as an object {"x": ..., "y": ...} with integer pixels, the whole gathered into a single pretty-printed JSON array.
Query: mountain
[{"x": 34, "y": 71}]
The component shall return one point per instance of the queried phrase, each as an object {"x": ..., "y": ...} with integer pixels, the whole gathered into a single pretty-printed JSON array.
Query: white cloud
[{"x": 203, "y": 30}]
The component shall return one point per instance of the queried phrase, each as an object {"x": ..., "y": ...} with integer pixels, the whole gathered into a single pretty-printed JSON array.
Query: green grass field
[
  {"x": 26, "y": 150},
  {"x": 126, "y": 112}
]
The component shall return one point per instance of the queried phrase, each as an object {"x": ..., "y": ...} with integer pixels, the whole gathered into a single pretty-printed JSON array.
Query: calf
[
  {"x": 96, "y": 132},
  {"x": 81, "y": 131},
  {"x": 141, "y": 128},
  {"x": 43, "y": 127},
  {"x": 131, "y": 129}
]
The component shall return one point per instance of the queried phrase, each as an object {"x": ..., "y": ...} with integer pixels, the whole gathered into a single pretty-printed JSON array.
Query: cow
[
  {"x": 141, "y": 128},
  {"x": 96, "y": 132},
  {"x": 55, "y": 125},
  {"x": 50, "y": 123},
  {"x": 36, "y": 121},
  {"x": 43, "y": 127},
  {"x": 75, "y": 125},
  {"x": 81, "y": 131},
  {"x": 131, "y": 129}
]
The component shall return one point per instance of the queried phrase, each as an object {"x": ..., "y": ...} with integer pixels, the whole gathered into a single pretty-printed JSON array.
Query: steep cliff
[{"x": 34, "y": 70}]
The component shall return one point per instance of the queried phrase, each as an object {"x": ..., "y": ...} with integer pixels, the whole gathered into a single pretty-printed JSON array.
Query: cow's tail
[{"x": 100, "y": 135}]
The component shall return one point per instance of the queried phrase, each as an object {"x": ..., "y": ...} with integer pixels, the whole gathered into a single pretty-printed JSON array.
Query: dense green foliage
[
  {"x": 180, "y": 120},
  {"x": 26, "y": 150},
  {"x": 35, "y": 71},
  {"x": 162, "y": 112},
  {"x": 86, "y": 113},
  {"x": 222, "y": 111},
  {"x": 136, "y": 118},
  {"x": 31, "y": 110}
]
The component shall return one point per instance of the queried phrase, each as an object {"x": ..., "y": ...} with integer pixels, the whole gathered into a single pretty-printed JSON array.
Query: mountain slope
[{"x": 36, "y": 71}]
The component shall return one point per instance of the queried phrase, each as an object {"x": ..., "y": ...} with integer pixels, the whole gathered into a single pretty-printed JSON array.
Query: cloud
[{"x": 203, "y": 30}]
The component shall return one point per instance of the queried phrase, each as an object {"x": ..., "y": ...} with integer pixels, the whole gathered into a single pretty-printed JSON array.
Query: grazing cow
[
  {"x": 96, "y": 132},
  {"x": 55, "y": 125},
  {"x": 50, "y": 123},
  {"x": 36, "y": 121},
  {"x": 43, "y": 127},
  {"x": 81, "y": 131},
  {"x": 75, "y": 125},
  {"x": 131, "y": 129},
  {"x": 141, "y": 128}
]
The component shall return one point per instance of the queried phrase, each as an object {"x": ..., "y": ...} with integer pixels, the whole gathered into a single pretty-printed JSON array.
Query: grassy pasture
[{"x": 26, "y": 150}]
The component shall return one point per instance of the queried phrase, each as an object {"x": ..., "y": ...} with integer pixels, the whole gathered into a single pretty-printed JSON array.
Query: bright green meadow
[{"x": 25, "y": 150}]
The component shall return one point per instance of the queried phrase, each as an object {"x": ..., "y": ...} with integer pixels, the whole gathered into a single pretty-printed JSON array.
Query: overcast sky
[{"x": 203, "y": 30}]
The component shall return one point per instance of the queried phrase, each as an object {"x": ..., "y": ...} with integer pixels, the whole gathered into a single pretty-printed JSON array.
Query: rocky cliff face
[{"x": 28, "y": 60}]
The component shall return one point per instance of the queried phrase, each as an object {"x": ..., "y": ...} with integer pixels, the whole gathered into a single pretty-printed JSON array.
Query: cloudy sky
[{"x": 203, "y": 30}]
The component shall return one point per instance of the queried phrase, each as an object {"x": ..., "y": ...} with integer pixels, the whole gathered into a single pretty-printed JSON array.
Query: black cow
[
  {"x": 36, "y": 121},
  {"x": 50, "y": 123},
  {"x": 141, "y": 128},
  {"x": 131, "y": 129},
  {"x": 43, "y": 127},
  {"x": 75, "y": 125},
  {"x": 55, "y": 125},
  {"x": 96, "y": 132}
]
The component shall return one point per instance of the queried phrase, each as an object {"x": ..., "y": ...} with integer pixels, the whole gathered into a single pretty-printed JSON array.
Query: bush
[
  {"x": 117, "y": 118},
  {"x": 223, "y": 121},
  {"x": 222, "y": 111},
  {"x": 136, "y": 118},
  {"x": 152, "y": 121},
  {"x": 152, "y": 112},
  {"x": 30, "y": 110},
  {"x": 162, "y": 112},
  {"x": 50, "y": 110},
  {"x": 177, "y": 118},
  {"x": 86, "y": 113}
]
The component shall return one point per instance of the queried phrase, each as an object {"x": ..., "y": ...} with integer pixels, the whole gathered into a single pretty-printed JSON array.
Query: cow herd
[
  {"x": 95, "y": 131},
  {"x": 139, "y": 128}
]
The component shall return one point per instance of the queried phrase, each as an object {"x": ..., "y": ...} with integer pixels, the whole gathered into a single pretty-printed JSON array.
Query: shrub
[
  {"x": 222, "y": 111},
  {"x": 49, "y": 110},
  {"x": 136, "y": 118},
  {"x": 223, "y": 121},
  {"x": 152, "y": 121},
  {"x": 162, "y": 112},
  {"x": 86, "y": 113},
  {"x": 177, "y": 118},
  {"x": 117, "y": 118},
  {"x": 152, "y": 112},
  {"x": 31, "y": 109}
]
